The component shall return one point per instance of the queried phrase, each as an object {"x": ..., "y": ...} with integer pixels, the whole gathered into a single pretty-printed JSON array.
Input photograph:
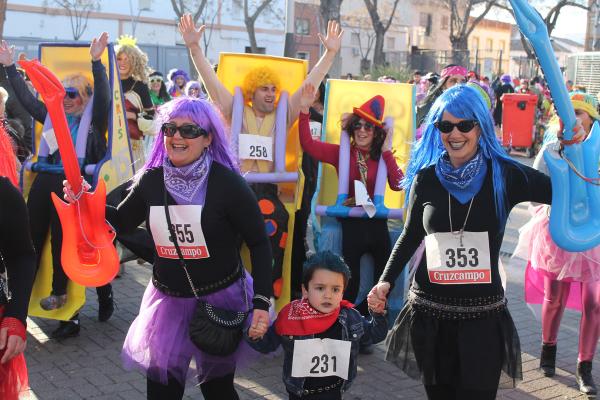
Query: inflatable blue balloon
[{"x": 575, "y": 214}]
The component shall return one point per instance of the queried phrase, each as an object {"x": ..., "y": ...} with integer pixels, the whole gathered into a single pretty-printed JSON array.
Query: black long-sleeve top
[
  {"x": 96, "y": 142},
  {"x": 15, "y": 110},
  {"x": 142, "y": 90},
  {"x": 427, "y": 213},
  {"x": 17, "y": 250},
  {"x": 230, "y": 214}
]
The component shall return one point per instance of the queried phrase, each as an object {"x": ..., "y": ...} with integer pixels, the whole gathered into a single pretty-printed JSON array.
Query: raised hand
[
  {"x": 333, "y": 41},
  {"x": 191, "y": 36},
  {"x": 308, "y": 97},
  {"x": 7, "y": 54},
  {"x": 98, "y": 46}
]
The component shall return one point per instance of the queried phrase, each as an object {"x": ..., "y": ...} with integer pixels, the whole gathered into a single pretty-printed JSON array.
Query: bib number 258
[
  {"x": 321, "y": 364},
  {"x": 462, "y": 257},
  {"x": 258, "y": 151}
]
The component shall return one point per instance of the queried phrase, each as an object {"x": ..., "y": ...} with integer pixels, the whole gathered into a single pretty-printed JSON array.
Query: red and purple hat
[{"x": 372, "y": 110}]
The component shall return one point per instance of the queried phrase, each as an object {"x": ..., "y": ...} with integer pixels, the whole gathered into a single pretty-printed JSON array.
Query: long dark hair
[{"x": 379, "y": 135}]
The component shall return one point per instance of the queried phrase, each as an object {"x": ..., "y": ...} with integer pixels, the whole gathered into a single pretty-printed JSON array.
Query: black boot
[
  {"x": 106, "y": 306},
  {"x": 548, "y": 359},
  {"x": 66, "y": 329},
  {"x": 584, "y": 378}
]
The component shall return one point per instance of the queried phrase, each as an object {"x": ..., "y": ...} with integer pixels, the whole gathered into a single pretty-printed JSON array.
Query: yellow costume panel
[{"x": 64, "y": 60}]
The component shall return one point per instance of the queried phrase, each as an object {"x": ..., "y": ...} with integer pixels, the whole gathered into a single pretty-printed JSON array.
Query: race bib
[
  {"x": 321, "y": 357},
  {"x": 315, "y": 130},
  {"x": 255, "y": 147},
  {"x": 451, "y": 263},
  {"x": 50, "y": 138},
  {"x": 186, "y": 226}
]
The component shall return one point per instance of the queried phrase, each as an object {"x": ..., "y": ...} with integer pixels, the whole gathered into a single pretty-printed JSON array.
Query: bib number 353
[{"x": 321, "y": 357}]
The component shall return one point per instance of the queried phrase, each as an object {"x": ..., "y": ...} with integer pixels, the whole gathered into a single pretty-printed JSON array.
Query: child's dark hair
[{"x": 324, "y": 260}]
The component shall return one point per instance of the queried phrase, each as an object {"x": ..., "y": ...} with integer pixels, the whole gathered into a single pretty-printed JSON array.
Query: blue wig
[{"x": 462, "y": 102}]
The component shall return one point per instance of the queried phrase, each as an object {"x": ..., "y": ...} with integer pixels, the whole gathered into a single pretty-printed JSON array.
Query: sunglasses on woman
[
  {"x": 71, "y": 93},
  {"x": 154, "y": 80},
  {"x": 188, "y": 131},
  {"x": 367, "y": 126},
  {"x": 463, "y": 126}
]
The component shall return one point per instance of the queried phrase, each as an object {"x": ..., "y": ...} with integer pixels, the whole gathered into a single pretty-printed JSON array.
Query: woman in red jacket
[{"x": 369, "y": 142}]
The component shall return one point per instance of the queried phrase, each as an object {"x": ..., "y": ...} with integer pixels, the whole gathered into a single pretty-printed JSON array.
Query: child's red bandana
[{"x": 299, "y": 318}]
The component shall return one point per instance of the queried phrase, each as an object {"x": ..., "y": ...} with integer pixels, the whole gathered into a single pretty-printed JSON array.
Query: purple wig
[{"x": 203, "y": 114}]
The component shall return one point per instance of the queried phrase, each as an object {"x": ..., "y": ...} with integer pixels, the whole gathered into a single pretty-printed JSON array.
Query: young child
[{"x": 320, "y": 334}]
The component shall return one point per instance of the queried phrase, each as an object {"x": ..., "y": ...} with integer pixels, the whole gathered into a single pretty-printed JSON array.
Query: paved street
[{"x": 89, "y": 366}]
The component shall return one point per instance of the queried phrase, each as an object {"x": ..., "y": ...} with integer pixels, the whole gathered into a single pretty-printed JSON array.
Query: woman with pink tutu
[{"x": 557, "y": 278}]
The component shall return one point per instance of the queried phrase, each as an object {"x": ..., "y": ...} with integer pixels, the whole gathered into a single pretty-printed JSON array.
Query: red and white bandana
[{"x": 299, "y": 318}]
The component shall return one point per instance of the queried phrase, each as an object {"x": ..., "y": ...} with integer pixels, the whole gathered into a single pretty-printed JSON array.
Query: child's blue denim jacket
[{"x": 355, "y": 328}]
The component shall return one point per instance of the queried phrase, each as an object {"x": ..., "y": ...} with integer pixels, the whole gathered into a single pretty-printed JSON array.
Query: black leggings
[
  {"x": 361, "y": 236},
  {"x": 43, "y": 216},
  {"x": 449, "y": 392},
  {"x": 215, "y": 389}
]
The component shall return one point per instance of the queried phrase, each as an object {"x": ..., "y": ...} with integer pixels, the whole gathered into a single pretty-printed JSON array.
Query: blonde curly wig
[
  {"x": 258, "y": 77},
  {"x": 138, "y": 60},
  {"x": 81, "y": 83}
]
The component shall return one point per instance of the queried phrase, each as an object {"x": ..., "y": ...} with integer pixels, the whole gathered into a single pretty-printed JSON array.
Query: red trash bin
[{"x": 518, "y": 127}]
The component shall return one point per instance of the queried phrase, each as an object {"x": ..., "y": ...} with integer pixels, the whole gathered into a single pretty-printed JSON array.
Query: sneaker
[
  {"x": 66, "y": 329},
  {"x": 53, "y": 302},
  {"x": 106, "y": 307}
]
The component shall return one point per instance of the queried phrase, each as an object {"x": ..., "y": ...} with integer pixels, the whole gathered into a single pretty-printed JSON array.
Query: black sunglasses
[
  {"x": 188, "y": 131},
  {"x": 358, "y": 125},
  {"x": 463, "y": 126},
  {"x": 71, "y": 95}
]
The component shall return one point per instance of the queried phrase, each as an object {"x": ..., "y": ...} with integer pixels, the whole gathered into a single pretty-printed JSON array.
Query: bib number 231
[{"x": 321, "y": 357}]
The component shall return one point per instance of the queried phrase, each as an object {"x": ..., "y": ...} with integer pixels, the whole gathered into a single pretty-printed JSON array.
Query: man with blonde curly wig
[
  {"x": 261, "y": 90},
  {"x": 260, "y": 86}
]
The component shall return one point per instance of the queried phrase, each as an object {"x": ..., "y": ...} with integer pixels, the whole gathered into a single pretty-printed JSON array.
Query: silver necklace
[{"x": 462, "y": 230}]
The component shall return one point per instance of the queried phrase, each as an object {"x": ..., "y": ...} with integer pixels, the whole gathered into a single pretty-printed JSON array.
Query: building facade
[
  {"x": 153, "y": 22},
  {"x": 490, "y": 47}
]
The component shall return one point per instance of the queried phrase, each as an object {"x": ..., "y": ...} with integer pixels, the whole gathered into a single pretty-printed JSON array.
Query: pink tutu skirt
[
  {"x": 158, "y": 342},
  {"x": 536, "y": 245}
]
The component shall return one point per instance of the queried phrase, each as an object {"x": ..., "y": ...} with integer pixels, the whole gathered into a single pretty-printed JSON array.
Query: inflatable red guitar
[{"x": 88, "y": 255}]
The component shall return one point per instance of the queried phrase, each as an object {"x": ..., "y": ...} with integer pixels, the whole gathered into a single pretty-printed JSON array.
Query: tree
[
  {"x": 330, "y": 10},
  {"x": 553, "y": 11},
  {"x": 79, "y": 12},
  {"x": 461, "y": 24},
  {"x": 250, "y": 18},
  {"x": 208, "y": 19},
  {"x": 360, "y": 26},
  {"x": 195, "y": 8},
  {"x": 2, "y": 17},
  {"x": 380, "y": 26}
]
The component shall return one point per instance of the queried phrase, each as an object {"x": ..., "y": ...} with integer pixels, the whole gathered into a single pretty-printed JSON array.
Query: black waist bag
[{"x": 213, "y": 330}]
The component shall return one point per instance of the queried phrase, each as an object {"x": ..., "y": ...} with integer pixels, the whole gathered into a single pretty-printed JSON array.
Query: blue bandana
[{"x": 464, "y": 182}]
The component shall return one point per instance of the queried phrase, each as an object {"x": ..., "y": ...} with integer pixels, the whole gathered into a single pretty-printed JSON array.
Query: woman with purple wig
[{"x": 211, "y": 210}]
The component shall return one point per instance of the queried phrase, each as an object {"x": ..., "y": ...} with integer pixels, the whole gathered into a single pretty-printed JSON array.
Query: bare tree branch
[{"x": 79, "y": 13}]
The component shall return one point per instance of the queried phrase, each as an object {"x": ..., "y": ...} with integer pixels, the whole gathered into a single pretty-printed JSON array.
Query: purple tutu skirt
[{"x": 158, "y": 342}]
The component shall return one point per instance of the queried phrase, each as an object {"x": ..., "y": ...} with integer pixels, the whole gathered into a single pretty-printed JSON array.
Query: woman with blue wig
[
  {"x": 196, "y": 243},
  {"x": 455, "y": 332}
]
